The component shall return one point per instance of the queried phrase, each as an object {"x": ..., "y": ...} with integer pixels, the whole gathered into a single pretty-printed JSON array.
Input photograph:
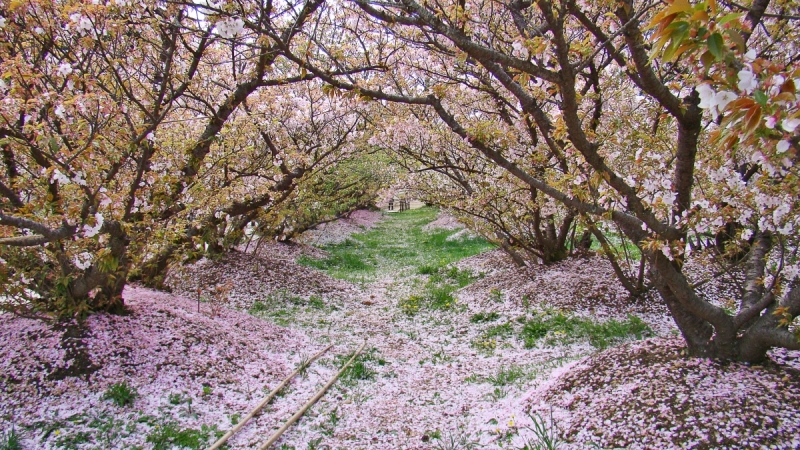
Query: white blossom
[
  {"x": 81, "y": 22},
  {"x": 750, "y": 55},
  {"x": 747, "y": 81},
  {"x": 78, "y": 179},
  {"x": 520, "y": 49},
  {"x": 786, "y": 229},
  {"x": 2, "y": 22},
  {"x": 789, "y": 125},
  {"x": 770, "y": 123},
  {"x": 61, "y": 112},
  {"x": 230, "y": 28},
  {"x": 669, "y": 198},
  {"x": 714, "y": 101},
  {"x": 83, "y": 261},
  {"x": 722, "y": 98},
  {"x": 59, "y": 177},
  {"x": 64, "y": 69},
  {"x": 706, "y": 95},
  {"x": 782, "y": 146},
  {"x": 747, "y": 234},
  {"x": 89, "y": 231},
  {"x": 779, "y": 212}
]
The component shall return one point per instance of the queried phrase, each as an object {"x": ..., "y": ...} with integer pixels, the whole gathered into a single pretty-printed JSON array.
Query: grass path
[
  {"x": 397, "y": 246},
  {"x": 438, "y": 374}
]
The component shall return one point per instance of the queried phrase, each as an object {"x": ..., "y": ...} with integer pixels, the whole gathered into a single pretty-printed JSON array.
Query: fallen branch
[
  {"x": 311, "y": 402},
  {"x": 264, "y": 402}
]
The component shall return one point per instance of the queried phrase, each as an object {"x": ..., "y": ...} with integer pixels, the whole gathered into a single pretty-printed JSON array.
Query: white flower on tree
[
  {"x": 747, "y": 81},
  {"x": 83, "y": 261},
  {"x": 230, "y": 28},
  {"x": 91, "y": 231},
  {"x": 789, "y": 125},
  {"x": 714, "y": 101}
]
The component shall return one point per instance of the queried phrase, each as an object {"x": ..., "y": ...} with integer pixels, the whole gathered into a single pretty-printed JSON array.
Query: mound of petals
[
  {"x": 253, "y": 277},
  {"x": 592, "y": 289},
  {"x": 339, "y": 230},
  {"x": 54, "y": 374},
  {"x": 443, "y": 221},
  {"x": 649, "y": 395}
]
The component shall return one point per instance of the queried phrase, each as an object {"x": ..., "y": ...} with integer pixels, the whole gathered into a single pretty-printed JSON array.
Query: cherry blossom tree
[
  {"x": 669, "y": 141},
  {"x": 114, "y": 139}
]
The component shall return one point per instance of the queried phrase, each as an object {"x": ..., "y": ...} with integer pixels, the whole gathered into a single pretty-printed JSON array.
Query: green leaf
[
  {"x": 761, "y": 98},
  {"x": 716, "y": 45},
  {"x": 729, "y": 17}
]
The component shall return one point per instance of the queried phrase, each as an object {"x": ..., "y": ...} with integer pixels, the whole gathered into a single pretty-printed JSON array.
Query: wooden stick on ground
[
  {"x": 264, "y": 402},
  {"x": 311, "y": 402}
]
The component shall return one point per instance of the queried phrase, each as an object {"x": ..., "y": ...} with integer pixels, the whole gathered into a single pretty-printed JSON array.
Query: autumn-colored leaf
[
  {"x": 707, "y": 59},
  {"x": 752, "y": 119},
  {"x": 789, "y": 86},
  {"x": 737, "y": 39},
  {"x": 679, "y": 6}
]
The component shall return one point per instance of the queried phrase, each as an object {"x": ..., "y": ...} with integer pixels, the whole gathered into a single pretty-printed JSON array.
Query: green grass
[
  {"x": 10, "y": 440},
  {"x": 553, "y": 327},
  {"x": 496, "y": 331},
  {"x": 484, "y": 317},
  {"x": 618, "y": 243},
  {"x": 121, "y": 394},
  {"x": 396, "y": 244},
  {"x": 282, "y": 306},
  {"x": 506, "y": 376},
  {"x": 437, "y": 293},
  {"x": 361, "y": 368},
  {"x": 168, "y": 435}
]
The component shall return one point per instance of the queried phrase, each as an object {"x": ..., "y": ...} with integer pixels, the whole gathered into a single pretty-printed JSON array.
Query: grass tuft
[
  {"x": 10, "y": 440},
  {"x": 121, "y": 394},
  {"x": 484, "y": 317},
  {"x": 168, "y": 435},
  {"x": 559, "y": 327}
]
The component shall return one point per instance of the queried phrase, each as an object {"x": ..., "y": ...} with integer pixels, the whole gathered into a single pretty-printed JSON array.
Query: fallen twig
[
  {"x": 311, "y": 402},
  {"x": 264, "y": 402}
]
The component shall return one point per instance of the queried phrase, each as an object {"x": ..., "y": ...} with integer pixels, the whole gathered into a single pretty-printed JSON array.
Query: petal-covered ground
[
  {"x": 648, "y": 395},
  {"x": 443, "y": 367}
]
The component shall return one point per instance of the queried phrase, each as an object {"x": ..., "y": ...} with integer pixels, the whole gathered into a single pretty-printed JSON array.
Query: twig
[
  {"x": 311, "y": 402},
  {"x": 264, "y": 402}
]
